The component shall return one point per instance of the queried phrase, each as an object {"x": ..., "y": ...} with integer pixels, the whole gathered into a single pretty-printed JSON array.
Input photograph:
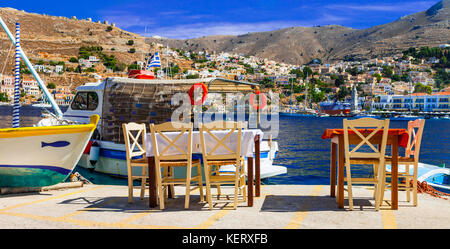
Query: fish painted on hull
[{"x": 58, "y": 144}]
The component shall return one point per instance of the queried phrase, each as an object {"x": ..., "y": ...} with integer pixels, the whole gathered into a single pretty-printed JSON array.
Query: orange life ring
[
  {"x": 204, "y": 93},
  {"x": 256, "y": 105}
]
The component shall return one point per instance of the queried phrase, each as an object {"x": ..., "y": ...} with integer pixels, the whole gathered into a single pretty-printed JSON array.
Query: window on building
[{"x": 87, "y": 101}]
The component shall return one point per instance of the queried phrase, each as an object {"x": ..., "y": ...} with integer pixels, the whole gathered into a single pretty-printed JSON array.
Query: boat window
[{"x": 85, "y": 101}]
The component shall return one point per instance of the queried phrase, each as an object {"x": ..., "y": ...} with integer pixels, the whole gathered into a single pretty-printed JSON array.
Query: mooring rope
[{"x": 423, "y": 187}]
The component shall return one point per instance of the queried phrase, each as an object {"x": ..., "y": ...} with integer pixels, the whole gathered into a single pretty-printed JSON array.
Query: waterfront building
[
  {"x": 436, "y": 102},
  {"x": 31, "y": 87}
]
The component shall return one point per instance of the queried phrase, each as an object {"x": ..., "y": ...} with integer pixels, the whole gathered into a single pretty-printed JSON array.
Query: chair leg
[
  {"x": 219, "y": 191},
  {"x": 143, "y": 182},
  {"x": 208, "y": 185},
  {"x": 408, "y": 188},
  {"x": 200, "y": 182},
  {"x": 415, "y": 184},
  {"x": 381, "y": 187},
  {"x": 160, "y": 187},
  {"x": 236, "y": 190},
  {"x": 188, "y": 186},
  {"x": 130, "y": 186},
  {"x": 349, "y": 186}
]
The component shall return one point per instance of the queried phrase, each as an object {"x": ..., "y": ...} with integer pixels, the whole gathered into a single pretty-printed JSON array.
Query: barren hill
[
  {"x": 59, "y": 38},
  {"x": 299, "y": 45}
]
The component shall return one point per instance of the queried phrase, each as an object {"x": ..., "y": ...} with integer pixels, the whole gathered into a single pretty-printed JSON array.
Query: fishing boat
[
  {"x": 435, "y": 176},
  {"x": 42, "y": 156},
  {"x": 39, "y": 156},
  {"x": 121, "y": 100},
  {"x": 335, "y": 108}
]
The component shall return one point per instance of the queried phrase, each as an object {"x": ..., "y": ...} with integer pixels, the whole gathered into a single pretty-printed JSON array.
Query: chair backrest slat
[
  {"x": 231, "y": 128},
  {"x": 134, "y": 144},
  {"x": 364, "y": 124},
  {"x": 414, "y": 139},
  {"x": 167, "y": 153}
]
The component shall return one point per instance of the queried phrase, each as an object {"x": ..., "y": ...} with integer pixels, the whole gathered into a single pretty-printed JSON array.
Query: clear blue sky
[{"x": 189, "y": 19}]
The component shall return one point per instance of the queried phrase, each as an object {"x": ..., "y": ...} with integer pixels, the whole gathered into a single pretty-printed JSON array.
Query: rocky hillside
[
  {"x": 59, "y": 38},
  {"x": 299, "y": 45}
]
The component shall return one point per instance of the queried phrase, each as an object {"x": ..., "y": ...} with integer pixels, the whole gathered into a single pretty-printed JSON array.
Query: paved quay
[{"x": 280, "y": 206}]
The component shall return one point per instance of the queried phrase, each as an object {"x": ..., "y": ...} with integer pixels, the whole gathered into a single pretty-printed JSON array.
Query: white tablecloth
[{"x": 247, "y": 142}]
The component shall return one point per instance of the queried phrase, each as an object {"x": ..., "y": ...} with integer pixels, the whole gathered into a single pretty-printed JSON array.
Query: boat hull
[{"x": 41, "y": 156}]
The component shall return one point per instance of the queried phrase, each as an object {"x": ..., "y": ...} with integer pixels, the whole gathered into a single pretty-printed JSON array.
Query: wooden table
[
  {"x": 396, "y": 138},
  {"x": 252, "y": 178}
]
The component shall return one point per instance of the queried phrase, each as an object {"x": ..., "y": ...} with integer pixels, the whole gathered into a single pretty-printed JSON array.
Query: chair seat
[
  {"x": 364, "y": 160},
  {"x": 224, "y": 162},
  {"x": 143, "y": 160},
  {"x": 400, "y": 159},
  {"x": 178, "y": 162}
]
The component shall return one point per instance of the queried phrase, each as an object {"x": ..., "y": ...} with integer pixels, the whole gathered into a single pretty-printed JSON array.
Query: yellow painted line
[
  {"x": 48, "y": 199},
  {"x": 388, "y": 219},
  {"x": 211, "y": 220},
  {"x": 298, "y": 217},
  {"x": 85, "y": 223}
]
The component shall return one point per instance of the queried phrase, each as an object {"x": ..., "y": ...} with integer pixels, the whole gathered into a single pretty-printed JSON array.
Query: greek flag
[{"x": 154, "y": 61}]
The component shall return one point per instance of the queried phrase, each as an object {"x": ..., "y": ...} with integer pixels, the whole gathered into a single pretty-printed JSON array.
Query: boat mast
[
  {"x": 410, "y": 97},
  {"x": 292, "y": 89},
  {"x": 306, "y": 89},
  {"x": 16, "y": 110},
  {"x": 33, "y": 71}
]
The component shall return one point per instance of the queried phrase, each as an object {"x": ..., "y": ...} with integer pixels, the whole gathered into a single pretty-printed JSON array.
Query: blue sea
[{"x": 301, "y": 148}]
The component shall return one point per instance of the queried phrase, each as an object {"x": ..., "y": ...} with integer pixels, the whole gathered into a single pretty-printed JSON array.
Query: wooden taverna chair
[
  {"x": 212, "y": 161},
  {"x": 412, "y": 149},
  {"x": 167, "y": 159},
  {"x": 372, "y": 155},
  {"x": 134, "y": 135}
]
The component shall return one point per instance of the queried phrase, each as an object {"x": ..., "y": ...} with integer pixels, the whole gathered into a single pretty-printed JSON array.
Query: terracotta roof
[{"x": 442, "y": 93}]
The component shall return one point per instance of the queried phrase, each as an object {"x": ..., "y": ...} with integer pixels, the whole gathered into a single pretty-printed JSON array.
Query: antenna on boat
[{"x": 33, "y": 71}]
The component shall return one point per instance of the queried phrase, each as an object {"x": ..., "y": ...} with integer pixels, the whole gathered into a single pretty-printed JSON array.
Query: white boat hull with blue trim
[{"x": 41, "y": 156}]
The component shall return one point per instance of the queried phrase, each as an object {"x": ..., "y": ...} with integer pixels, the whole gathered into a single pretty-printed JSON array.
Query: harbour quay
[{"x": 278, "y": 207}]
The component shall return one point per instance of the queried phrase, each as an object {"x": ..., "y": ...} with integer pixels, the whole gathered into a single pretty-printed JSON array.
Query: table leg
[
  {"x": 333, "y": 170},
  {"x": 152, "y": 181},
  {"x": 250, "y": 181},
  {"x": 340, "y": 197},
  {"x": 257, "y": 166},
  {"x": 394, "y": 174}
]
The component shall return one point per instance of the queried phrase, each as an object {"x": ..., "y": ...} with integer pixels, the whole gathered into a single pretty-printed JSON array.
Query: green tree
[
  {"x": 4, "y": 97},
  {"x": 133, "y": 66},
  {"x": 130, "y": 42},
  {"x": 387, "y": 71},
  {"x": 377, "y": 76},
  {"x": 339, "y": 81},
  {"x": 73, "y": 60},
  {"x": 307, "y": 71},
  {"x": 420, "y": 88},
  {"x": 298, "y": 72},
  {"x": 51, "y": 85}
]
